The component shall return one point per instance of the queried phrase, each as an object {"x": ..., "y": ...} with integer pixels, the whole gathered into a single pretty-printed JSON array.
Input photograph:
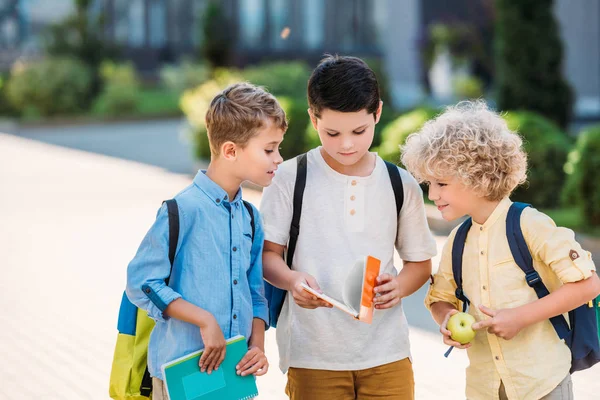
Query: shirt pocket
[{"x": 508, "y": 286}]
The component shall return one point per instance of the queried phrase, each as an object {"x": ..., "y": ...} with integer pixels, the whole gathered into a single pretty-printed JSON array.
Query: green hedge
[
  {"x": 395, "y": 133},
  {"x": 51, "y": 87},
  {"x": 582, "y": 168},
  {"x": 120, "y": 91},
  {"x": 547, "y": 147}
]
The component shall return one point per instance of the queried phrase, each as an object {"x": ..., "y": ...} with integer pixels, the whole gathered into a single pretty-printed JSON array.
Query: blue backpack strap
[
  {"x": 522, "y": 256},
  {"x": 458, "y": 248},
  {"x": 251, "y": 212}
]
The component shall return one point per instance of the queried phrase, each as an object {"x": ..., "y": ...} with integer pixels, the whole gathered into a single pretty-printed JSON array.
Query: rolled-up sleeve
[
  {"x": 556, "y": 247},
  {"x": 443, "y": 287},
  {"x": 260, "y": 309},
  {"x": 146, "y": 273}
]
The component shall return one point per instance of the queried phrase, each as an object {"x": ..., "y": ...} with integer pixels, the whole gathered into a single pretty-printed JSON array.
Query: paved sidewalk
[{"x": 70, "y": 221}]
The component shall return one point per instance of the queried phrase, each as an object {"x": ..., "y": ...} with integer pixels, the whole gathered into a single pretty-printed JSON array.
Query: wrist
[
  {"x": 203, "y": 319},
  {"x": 291, "y": 279}
]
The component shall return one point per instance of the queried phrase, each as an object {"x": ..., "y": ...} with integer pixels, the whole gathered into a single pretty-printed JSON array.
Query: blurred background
[{"x": 102, "y": 107}]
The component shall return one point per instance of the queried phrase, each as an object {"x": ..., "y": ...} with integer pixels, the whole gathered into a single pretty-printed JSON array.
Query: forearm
[
  {"x": 566, "y": 298},
  {"x": 276, "y": 271},
  {"x": 188, "y": 312},
  {"x": 440, "y": 309},
  {"x": 412, "y": 276},
  {"x": 257, "y": 337}
]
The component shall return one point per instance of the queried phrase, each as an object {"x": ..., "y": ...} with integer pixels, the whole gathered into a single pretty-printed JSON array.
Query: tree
[
  {"x": 80, "y": 36},
  {"x": 529, "y": 56},
  {"x": 217, "y": 37}
]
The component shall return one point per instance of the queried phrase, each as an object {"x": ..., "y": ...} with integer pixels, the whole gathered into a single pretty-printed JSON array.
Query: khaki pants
[
  {"x": 159, "y": 391},
  {"x": 564, "y": 391},
  {"x": 394, "y": 381}
]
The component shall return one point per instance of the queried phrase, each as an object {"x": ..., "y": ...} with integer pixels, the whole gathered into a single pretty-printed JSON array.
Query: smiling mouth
[{"x": 440, "y": 208}]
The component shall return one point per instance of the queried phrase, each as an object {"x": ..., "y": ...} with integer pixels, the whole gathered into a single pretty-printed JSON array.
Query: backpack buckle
[{"x": 532, "y": 278}]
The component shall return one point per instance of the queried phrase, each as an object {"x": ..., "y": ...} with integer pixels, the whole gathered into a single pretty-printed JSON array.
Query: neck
[
  {"x": 220, "y": 173},
  {"x": 483, "y": 210},
  {"x": 363, "y": 167}
]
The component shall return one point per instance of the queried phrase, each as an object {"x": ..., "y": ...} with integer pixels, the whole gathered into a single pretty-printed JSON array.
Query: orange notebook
[{"x": 357, "y": 293}]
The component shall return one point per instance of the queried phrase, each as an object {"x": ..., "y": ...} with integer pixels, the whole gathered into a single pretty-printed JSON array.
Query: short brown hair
[{"x": 238, "y": 112}]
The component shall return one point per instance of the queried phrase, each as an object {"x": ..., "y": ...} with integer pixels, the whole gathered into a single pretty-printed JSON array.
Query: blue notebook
[{"x": 184, "y": 381}]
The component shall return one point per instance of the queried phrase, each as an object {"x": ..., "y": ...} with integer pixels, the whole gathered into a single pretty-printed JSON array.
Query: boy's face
[
  {"x": 452, "y": 198},
  {"x": 346, "y": 136},
  {"x": 258, "y": 160}
]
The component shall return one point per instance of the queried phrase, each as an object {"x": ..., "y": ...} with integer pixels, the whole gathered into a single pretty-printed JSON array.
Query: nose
[
  {"x": 433, "y": 193},
  {"x": 347, "y": 144},
  {"x": 279, "y": 159}
]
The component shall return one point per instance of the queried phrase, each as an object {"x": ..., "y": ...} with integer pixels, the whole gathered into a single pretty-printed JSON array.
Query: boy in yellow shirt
[{"x": 472, "y": 162}]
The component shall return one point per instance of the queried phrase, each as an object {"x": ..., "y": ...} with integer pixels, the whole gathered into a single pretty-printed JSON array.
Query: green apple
[{"x": 460, "y": 326}]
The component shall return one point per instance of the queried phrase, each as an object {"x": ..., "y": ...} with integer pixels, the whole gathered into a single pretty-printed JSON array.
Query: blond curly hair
[{"x": 472, "y": 143}]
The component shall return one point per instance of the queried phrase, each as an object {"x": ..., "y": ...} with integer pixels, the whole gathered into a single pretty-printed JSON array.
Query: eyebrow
[{"x": 273, "y": 142}]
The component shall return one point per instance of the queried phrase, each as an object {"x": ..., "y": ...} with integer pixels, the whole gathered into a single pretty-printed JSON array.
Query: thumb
[
  {"x": 312, "y": 282},
  {"x": 487, "y": 311}
]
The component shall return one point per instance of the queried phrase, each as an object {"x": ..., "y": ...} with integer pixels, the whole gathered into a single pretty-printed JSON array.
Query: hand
[
  {"x": 214, "y": 346},
  {"x": 387, "y": 292},
  {"x": 254, "y": 362},
  {"x": 301, "y": 296},
  {"x": 504, "y": 323},
  {"x": 446, "y": 333}
]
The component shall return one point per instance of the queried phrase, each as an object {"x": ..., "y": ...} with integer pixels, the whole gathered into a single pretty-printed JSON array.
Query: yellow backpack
[{"x": 129, "y": 377}]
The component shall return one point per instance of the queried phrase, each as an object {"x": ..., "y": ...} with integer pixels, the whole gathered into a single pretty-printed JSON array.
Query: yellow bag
[{"x": 129, "y": 376}]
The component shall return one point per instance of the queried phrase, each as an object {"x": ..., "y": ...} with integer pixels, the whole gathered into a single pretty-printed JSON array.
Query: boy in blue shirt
[{"x": 216, "y": 287}]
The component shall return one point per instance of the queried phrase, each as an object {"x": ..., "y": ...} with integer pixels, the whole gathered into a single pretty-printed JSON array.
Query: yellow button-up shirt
[{"x": 535, "y": 361}]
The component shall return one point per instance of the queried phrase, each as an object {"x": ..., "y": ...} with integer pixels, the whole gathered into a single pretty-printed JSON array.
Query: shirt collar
[
  {"x": 215, "y": 192},
  {"x": 500, "y": 210}
]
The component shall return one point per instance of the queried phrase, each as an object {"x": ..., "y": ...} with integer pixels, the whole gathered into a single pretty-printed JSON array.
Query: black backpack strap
[
  {"x": 396, "y": 185},
  {"x": 522, "y": 256},
  {"x": 458, "y": 249},
  {"x": 173, "y": 212},
  {"x": 299, "y": 186},
  {"x": 251, "y": 211}
]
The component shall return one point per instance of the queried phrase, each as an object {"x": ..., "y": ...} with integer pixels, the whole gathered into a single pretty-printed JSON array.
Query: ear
[
  {"x": 313, "y": 119},
  {"x": 378, "y": 112},
  {"x": 229, "y": 151}
]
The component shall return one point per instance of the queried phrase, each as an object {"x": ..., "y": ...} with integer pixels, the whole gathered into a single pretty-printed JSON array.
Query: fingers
[
  {"x": 453, "y": 343},
  {"x": 486, "y": 323},
  {"x": 384, "y": 278},
  {"x": 312, "y": 282},
  {"x": 254, "y": 362},
  {"x": 387, "y": 301},
  {"x": 211, "y": 358},
  {"x": 307, "y": 300},
  {"x": 206, "y": 359},
  {"x": 487, "y": 311}
]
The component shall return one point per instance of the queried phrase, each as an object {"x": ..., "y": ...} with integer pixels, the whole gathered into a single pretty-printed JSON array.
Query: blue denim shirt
[{"x": 217, "y": 267}]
